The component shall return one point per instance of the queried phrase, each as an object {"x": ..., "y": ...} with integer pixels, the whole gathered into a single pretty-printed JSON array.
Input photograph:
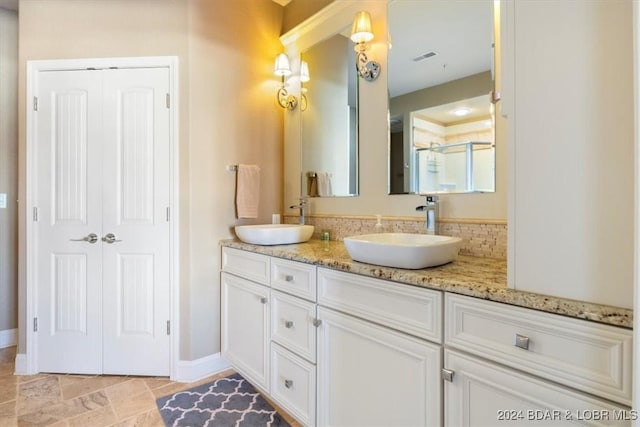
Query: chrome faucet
[
  {"x": 431, "y": 208},
  {"x": 302, "y": 204}
]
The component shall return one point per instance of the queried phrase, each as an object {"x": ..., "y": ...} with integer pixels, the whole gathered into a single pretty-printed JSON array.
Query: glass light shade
[
  {"x": 304, "y": 72},
  {"x": 361, "y": 30},
  {"x": 282, "y": 67}
]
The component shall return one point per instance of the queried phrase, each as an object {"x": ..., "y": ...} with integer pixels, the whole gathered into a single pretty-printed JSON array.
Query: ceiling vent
[{"x": 424, "y": 56}]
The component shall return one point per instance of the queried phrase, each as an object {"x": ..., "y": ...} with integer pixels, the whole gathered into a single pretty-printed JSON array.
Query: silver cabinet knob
[
  {"x": 522, "y": 342},
  {"x": 288, "y": 278},
  {"x": 263, "y": 300},
  {"x": 288, "y": 324},
  {"x": 288, "y": 383},
  {"x": 110, "y": 238},
  {"x": 90, "y": 238}
]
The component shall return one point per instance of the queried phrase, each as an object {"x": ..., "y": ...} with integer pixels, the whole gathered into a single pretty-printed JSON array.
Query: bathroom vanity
[{"x": 337, "y": 342}]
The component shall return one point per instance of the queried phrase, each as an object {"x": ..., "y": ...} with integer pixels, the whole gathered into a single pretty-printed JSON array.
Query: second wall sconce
[
  {"x": 283, "y": 69},
  {"x": 361, "y": 33}
]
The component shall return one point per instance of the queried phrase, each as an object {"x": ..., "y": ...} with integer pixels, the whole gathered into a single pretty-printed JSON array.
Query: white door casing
[{"x": 138, "y": 201}]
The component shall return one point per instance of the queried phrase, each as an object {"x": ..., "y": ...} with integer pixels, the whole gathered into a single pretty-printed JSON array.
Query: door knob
[
  {"x": 110, "y": 238},
  {"x": 90, "y": 238}
]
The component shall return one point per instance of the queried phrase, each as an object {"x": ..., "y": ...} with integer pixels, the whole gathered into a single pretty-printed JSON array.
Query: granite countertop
[{"x": 484, "y": 278}]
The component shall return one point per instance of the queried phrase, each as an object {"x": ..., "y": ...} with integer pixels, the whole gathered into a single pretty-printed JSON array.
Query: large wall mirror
[
  {"x": 329, "y": 128},
  {"x": 440, "y": 75}
]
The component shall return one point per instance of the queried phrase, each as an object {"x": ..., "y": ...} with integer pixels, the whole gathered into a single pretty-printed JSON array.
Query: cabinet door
[
  {"x": 245, "y": 328},
  {"x": 369, "y": 375},
  {"x": 485, "y": 394}
]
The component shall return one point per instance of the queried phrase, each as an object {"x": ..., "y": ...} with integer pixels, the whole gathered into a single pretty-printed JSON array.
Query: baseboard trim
[
  {"x": 8, "y": 338},
  {"x": 193, "y": 370},
  {"x": 21, "y": 364}
]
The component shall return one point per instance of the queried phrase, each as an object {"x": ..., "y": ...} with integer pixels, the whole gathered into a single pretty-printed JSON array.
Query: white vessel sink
[
  {"x": 274, "y": 234},
  {"x": 403, "y": 250}
]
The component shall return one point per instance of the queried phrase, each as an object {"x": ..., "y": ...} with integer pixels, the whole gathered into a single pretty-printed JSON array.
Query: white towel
[
  {"x": 248, "y": 191},
  {"x": 324, "y": 184}
]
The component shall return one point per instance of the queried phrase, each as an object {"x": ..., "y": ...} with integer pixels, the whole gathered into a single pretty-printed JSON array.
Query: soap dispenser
[{"x": 378, "y": 227}]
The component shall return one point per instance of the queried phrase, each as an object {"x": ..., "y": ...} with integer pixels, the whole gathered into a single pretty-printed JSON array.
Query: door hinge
[
  {"x": 447, "y": 375},
  {"x": 35, "y": 324},
  {"x": 35, "y": 214},
  {"x": 168, "y": 327},
  {"x": 35, "y": 103},
  {"x": 168, "y": 101},
  {"x": 168, "y": 214}
]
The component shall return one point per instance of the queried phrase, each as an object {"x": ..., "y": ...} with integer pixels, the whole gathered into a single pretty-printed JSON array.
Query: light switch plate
[{"x": 3, "y": 200}]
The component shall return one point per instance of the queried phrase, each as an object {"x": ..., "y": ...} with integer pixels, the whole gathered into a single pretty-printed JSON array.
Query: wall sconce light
[
  {"x": 283, "y": 69},
  {"x": 361, "y": 34}
]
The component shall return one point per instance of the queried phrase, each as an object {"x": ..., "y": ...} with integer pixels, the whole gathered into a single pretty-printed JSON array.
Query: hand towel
[
  {"x": 248, "y": 191},
  {"x": 324, "y": 184}
]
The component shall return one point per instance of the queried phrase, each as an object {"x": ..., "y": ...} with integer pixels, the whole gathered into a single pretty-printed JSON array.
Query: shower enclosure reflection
[{"x": 454, "y": 156}]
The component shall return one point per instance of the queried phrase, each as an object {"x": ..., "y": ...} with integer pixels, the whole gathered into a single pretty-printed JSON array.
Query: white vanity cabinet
[
  {"x": 368, "y": 373},
  {"x": 340, "y": 349},
  {"x": 514, "y": 366},
  {"x": 269, "y": 327}
]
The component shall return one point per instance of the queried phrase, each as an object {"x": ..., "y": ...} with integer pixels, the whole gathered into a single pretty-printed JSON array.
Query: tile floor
[{"x": 87, "y": 401}]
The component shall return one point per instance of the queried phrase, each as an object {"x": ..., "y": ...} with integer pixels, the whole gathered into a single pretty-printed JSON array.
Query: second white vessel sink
[
  {"x": 274, "y": 234},
  {"x": 403, "y": 250}
]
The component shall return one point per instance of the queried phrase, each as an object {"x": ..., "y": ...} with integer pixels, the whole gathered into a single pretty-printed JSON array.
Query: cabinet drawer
[
  {"x": 293, "y": 384},
  {"x": 587, "y": 356},
  {"x": 409, "y": 309},
  {"x": 292, "y": 324},
  {"x": 294, "y": 277},
  {"x": 246, "y": 264}
]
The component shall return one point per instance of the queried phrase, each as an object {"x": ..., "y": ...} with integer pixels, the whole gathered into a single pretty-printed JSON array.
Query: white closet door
[
  {"x": 103, "y": 168},
  {"x": 69, "y": 175},
  {"x": 135, "y": 202}
]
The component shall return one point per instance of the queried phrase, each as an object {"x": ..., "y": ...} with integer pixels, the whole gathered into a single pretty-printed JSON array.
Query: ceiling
[
  {"x": 478, "y": 108},
  {"x": 460, "y": 32}
]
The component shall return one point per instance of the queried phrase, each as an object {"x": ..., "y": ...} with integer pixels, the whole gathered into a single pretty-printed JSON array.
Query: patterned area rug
[{"x": 226, "y": 402}]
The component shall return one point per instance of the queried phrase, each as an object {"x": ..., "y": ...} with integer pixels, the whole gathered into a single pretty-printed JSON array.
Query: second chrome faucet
[
  {"x": 431, "y": 209},
  {"x": 302, "y": 205}
]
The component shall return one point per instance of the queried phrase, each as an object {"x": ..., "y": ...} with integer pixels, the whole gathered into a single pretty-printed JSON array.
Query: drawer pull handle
[
  {"x": 522, "y": 342},
  {"x": 317, "y": 322},
  {"x": 288, "y": 324},
  {"x": 288, "y": 383},
  {"x": 288, "y": 278},
  {"x": 263, "y": 300},
  {"x": 447, "y": 375}
]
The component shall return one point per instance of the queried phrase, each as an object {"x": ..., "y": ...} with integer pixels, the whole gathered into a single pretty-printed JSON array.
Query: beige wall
[
  {"x": 9, "y": 169},
  {"x": 233, "y": 119},
  {"x": 572, "y": 219},
  {"x": 227, "y": 115}
]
